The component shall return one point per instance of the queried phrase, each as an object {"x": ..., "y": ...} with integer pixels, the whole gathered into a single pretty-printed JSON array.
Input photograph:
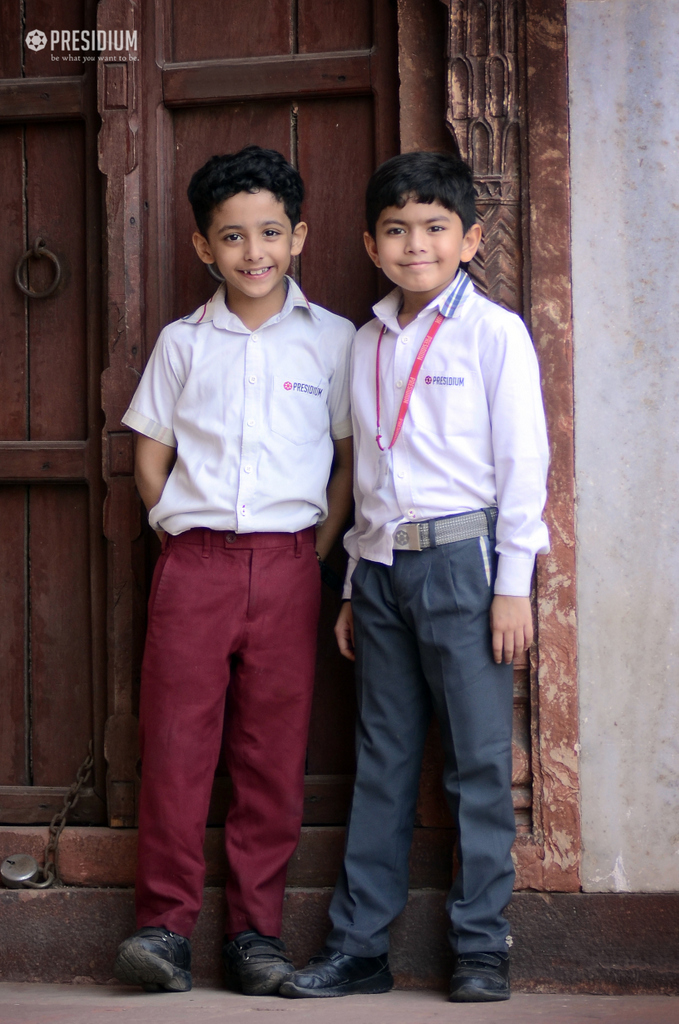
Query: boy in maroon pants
[{"x": 241, "y": 413}]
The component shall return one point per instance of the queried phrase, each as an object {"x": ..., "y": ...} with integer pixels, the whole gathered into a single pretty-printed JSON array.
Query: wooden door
[
  {"x": 317, "y": 81},
  {"x": 52, "y": 588}
]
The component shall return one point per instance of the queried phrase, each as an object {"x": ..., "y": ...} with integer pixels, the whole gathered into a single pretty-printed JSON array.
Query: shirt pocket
[
  {"x": 299, "y": 409},
  {"x": 447, "y": 401}
]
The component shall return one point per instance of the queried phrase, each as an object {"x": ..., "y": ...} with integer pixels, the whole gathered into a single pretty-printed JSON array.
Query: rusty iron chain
[{"x": 50, "y": 871}]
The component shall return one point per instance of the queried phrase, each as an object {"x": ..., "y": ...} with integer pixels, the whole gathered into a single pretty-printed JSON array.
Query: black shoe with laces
[
  {"x": 480, "y": 978},
  {"x": 332, "y": 973},
  {"x": 156, "y": 959},
  {"x": 255, "y": 964}
]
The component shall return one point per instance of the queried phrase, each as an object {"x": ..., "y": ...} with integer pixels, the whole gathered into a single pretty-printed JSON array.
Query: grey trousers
[{"x": 422, "y": 640}]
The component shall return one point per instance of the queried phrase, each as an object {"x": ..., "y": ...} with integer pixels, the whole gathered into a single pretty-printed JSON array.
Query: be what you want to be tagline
[{"x": 85, "y": 44}]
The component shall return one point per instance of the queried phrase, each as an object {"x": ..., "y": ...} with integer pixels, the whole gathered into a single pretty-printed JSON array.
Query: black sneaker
[
  {"x": 332, "y": 973},
  {"x": 156, "y": 959},
  {"x": 480, "y": 978},
  {"x": 255, "y": 964}
]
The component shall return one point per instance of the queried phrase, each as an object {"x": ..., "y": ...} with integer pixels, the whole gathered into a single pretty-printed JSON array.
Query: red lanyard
[{"x": 407, "y": 394}]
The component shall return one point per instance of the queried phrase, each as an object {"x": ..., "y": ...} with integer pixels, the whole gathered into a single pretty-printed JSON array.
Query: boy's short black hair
[
  {"x": 426, "y": 178},
  {"x": 250, "y": 170}
]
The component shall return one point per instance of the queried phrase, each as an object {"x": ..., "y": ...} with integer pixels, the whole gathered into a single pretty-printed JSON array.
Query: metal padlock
[{"x": 18, "y": 869}]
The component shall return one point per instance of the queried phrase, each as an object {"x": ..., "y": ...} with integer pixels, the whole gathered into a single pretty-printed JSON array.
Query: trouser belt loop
[
  {"x": 207, "y": 543},
  {"x": 490, "y": 519},
  {"x": 298, "y": 544},
  {"x": 432, "y": 533}
]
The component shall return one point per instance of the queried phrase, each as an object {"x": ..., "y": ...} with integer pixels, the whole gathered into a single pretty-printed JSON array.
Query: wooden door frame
[
  {"x": 532, "y": 258},
  {"x": 48, "y": 100}
]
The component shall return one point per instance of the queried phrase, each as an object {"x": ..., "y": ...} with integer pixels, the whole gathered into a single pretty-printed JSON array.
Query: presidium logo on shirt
[
  {"x": 456, "y": 382},
  {"x": 307, "y": 389}
]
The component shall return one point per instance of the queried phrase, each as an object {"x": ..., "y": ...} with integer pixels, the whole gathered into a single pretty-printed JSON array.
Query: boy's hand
[
  {"x": 511, "y": 624},
  {"x": 344, "y": 631}
]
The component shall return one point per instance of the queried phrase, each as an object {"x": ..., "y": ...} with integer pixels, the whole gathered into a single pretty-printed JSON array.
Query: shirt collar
[
  {"x": 448, "y": 302},
  {"x": 220, "y": 314}
]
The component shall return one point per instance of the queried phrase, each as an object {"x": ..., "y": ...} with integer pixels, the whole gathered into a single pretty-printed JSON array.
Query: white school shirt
[
  {"x": 474, "y": 434},
  {"x": 252, "y": 415}
]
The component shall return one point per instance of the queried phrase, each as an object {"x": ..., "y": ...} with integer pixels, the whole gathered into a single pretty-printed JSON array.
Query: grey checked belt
[{"x": 433, "y": 532}]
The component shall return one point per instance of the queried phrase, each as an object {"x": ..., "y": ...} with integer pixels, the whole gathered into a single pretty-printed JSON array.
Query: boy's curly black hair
[
  {"x": 250, "y": 170},
  {"x": 426, "y": 178}
]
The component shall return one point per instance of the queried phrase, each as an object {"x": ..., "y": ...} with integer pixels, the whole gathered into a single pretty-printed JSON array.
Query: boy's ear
[
  {"x": 371, "y": 248},
  {"x": 299, "y": 234},
  {"x": 470, "y": 243},
  {"x": 202, "y": 247}
]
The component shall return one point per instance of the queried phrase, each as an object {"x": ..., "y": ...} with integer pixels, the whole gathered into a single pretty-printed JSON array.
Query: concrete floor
[{"x": 89, "y": 1004}]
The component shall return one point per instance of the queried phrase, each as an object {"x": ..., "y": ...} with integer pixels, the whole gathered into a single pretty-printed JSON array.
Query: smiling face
[
  {"x": 251, "y": 241},
  {"x": 420, "y": 247}
]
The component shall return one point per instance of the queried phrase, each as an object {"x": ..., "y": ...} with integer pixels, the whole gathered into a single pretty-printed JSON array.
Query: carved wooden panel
[
  {"x": 485, "y": 117},
  {"x": 508, "y": 112}
]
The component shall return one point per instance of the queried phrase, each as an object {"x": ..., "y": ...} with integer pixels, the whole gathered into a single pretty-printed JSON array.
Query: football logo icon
[
  {"x": 287, "y": 386},
  {"x": 36, "y": 40}
]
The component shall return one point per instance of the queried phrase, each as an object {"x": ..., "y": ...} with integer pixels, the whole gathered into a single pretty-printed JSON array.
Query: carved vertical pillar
[
  {"x": 508, "y": 111},
  {"x": 484, "y": 116},
  {"x": 119, "y": 101}
]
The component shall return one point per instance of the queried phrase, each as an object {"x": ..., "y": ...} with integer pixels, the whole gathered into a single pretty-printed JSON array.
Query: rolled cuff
[
  {"x": 351, "y": 565},
  {"x": 514, "y": 576},
  {"x": 144, "y": 425}
]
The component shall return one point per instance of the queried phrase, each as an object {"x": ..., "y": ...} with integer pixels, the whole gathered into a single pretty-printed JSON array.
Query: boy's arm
[
  {"x": 153, "y": 463},
  {"x": 339, "y": 496}
]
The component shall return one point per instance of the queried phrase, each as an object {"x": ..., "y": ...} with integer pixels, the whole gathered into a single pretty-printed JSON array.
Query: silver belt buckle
[{"x": 407, "y": 537}]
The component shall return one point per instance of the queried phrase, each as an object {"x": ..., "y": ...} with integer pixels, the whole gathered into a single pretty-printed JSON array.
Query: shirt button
[
  {"x": 254, "y": 337},
  {"x": 247, "y": 469},
  {"x": 401, "y": 475},
  {"x": 252, "y": 379},
  {"x": 251, "y": 423},
  {"x": 405, "y": 340},
  {"x": 399, "y": 383},
  {"x": 411, "y": 513}
]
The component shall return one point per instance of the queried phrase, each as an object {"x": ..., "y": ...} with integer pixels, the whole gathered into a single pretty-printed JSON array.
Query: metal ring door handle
[{"x": 39, "y": 249}]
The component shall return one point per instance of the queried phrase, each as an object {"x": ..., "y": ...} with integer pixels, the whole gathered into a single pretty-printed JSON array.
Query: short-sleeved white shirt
[{"x": 252, "y": 414}]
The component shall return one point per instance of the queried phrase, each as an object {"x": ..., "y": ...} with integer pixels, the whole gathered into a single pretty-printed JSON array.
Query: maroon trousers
[{"x": 234, "y": 613}]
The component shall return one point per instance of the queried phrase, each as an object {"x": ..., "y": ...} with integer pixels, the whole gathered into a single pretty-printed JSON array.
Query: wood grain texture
[
  {"x": 240, "y": 28},
  {"x": 11, "y": 39},
  {"x": 55, "y": 161},
  {"x": 60, "y": 632},
  {"x": 46, "y": 460},
  {"x": 120, "y": 145},
  {"x": 422, "y": 37},
  {"x": 14, "y": 749},
  {"x": 13, "y": 368},
  {"x": 508, "y": 109},
  {"x": 336, "y": 158},
  {"x": 323, "y": 27},
  {"x": 43, "y": 99},
  {"x": 47, "y": 15},
  {"x": 189, "y": 85}
]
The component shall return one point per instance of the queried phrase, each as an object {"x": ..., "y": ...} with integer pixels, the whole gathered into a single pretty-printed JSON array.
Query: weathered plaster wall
[{"x": 624, "y": 82}]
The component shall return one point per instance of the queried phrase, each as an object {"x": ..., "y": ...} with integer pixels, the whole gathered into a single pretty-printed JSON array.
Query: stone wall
[{"x": 624, "y": 82}]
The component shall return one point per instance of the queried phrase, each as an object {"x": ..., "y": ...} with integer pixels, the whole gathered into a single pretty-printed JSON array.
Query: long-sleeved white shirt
[{"x": 474, "y": 435}]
